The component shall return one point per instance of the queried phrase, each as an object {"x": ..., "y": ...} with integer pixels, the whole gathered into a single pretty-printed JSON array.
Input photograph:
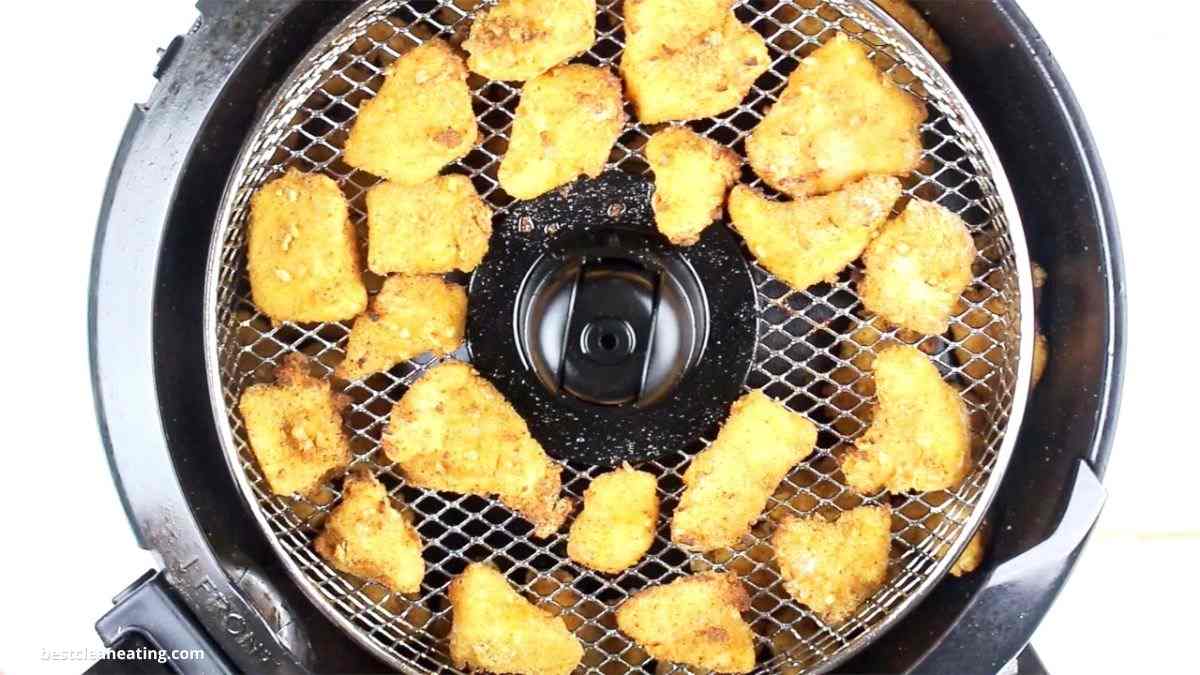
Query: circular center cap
[{"x": 608, "y": 341}]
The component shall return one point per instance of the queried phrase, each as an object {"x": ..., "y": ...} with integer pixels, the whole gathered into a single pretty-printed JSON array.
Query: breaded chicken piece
[
  {"x": 566, "y": 124},
  {"x": 908, "y": 16},
  {"x": 838, "y": 120},
  {"x": 437, "y": 226},
  {"x": 366, "y": 537},
  {"x": 301, "y": 254},
  {"x": 810, "y": 240},
  {"x": 919, "y": 438},
  {"x": 972, "y": 556},
  {"x": 496, "y": 630},
  {"x": 295, "y": 428},
  {"x": 452, "y": 430},
  {"x": 727, "y": 485},
  {"x": 693, "y": 620},
  {"x": 692, "y": 175},
  {"x": 687, "y": 59},
  {"x": 521, "y": 39},
  {"x": 834, "y": 566},
  {"x": 616, "y": 526},
  {"x": 420, "y": 121},
  {"x": 409, "y": 316},
  {"x": 917, "y": 268},
  {"x": 1041, "y": 357}
]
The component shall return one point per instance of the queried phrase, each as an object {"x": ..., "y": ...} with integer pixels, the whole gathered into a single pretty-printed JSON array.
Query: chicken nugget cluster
[
  {"x": 810, "y": 240},
  {"x": 687, "y": 59},
  {"x": 834, "y": 566},
  {"x": 295, "y": 428},
  {"x": 919, "y": 438},
  {"x": 727, "y": 485},
  {"x": 917, "y": 268},
  {"x": 496, "y": 630},
  {"x": 437, "y": 226},
  {"x": 566, "y": 124},
  {"x": 367, "y": 537},
  {"x": 616, "y": 526},
  {"x": 410, "y": 315},
  {"x": 838, "y": 120},
  {"x": 521, "y": 39},
  {"x": 694, "y": 620},
  {"x": 452, "y": 430},
  {"x": 420, "y": 121},
  {"x": 301, "y": 254},
  {"x": 692, "y": 175}
]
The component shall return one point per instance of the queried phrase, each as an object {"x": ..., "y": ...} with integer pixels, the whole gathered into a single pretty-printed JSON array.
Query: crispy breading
[
  {"x": 521, "y": 39},
  {"x": 694, "y": 620},
  {"x": 917, "y": 267},
  {"x": 810, "y": 240},
  {"x": 909, "y": 17},
  {"x": 301, "y": 253},
  {"x": 420, "y": 121},
  {"x": 410, "y": 315},
  {"x": 834, "y": 566},
  {"x": 919, "y": 438},
  {"x": 687, "y": 59},
  {"x": 437, "y": 226},
  {"x": 566, "y": 124},
  {"x": 367, "y": 537},
  {"x": 295, "y": 428},
  {"x": 692, "y": 175},
  {"x": 452, "y": 430},
  {"x": 616, "y": 526},
  {"x": 838, "y": 120},
  {"x": 497, "y": 630},
  {"x": 1041, "y": 357},
  {"x": 972, "y": 556},
  {"x": 727, "y": 485}
]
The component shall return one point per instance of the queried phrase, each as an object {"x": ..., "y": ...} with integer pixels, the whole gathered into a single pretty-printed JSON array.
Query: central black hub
[{"x": 611, "y": 343}]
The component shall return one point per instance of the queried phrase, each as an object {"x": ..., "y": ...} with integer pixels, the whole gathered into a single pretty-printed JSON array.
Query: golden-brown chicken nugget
[
  {"x": 1041, "y": 357},
  {"x": 917, "y": 268},
  {"x": 295, "y": 428},
  {"x": 972, "y": 556},
  {"x": 810, "y": 240},
  {"x": 367, "y": 537},
  {"x": 452, "y": 430},
  {"x": 566, "y": 124},
  {"x": 838, "y": 120},
  {"x": 521, "y": 39},
  {"x": 692, "y": 175},
  {"x": 834, "y": 566},
  {"x": 301, "y": 254},
  {"x": 420, "y": 121},
  {"x": 409, "y": 316},
  {"x": 497, "y": 630},
  {"x": 920, "y": 436},
  {"x": 909, "y": 17},
  {"x": 616, "y": 526},
  {"x": 687, "y": 59},
  {"x": 727, "y": 485},
  {"x": 693, "y": 620},
  {"x": 437, "y": 226}
]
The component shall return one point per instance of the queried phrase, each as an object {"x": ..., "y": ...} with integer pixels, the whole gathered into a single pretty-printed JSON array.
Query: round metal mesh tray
[{"x": 813, "y": 353}]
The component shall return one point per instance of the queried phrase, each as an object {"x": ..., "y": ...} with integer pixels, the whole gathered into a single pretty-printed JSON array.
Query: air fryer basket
[{"x": 805, "y": 355}]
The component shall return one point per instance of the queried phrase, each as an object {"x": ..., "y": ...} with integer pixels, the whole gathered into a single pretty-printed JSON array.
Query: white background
[{"x": 73, "y": 70}]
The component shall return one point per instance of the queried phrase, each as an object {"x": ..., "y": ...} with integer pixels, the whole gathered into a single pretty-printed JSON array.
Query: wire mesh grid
[{"x": 813, "y": 353}]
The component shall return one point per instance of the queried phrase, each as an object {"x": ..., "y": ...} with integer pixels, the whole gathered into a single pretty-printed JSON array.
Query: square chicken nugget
[
  {"x": 567, "y": 122},
  {"x": 410, "y": 316},
  {"x": 301, "y": 251},
  {"x": 616, "y": 526},
  {"x": 420, "y": 121},
  {"x": 696, "y": 621},
  {"x": 692, "y": 175},
  {"x": 495, "y": 629},
  {"x": 687, "y": 59},
  {"x": 728, "y": 483},
  {"x": 838, "y": 120},
  {"x": 367, "y": 537},
  {"x": 521, "y": 39},
  {"x": 834, "y": 566},
  {"x": 437, "y": 226},
  {"x": 295, "y": 428}
]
